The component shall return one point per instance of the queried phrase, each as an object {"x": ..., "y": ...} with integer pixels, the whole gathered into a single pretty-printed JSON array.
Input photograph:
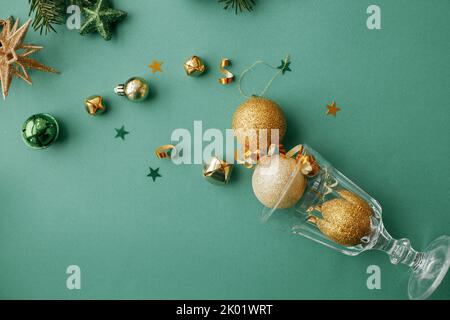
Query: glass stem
[{"x": 399, "y": 251}]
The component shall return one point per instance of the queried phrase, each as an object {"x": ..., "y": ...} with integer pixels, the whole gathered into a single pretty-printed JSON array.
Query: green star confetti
[
  {"x": 154, "y": 174},
  {"x": 100, "y": 18},
  {"x": 284, "y": 67},
  {"x": 121, "y": 133}
]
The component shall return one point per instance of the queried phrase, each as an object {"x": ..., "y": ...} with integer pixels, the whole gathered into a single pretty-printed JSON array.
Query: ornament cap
[{"x": 120, "y": 89}]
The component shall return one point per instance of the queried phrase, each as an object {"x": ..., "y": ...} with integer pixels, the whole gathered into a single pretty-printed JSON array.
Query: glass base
[{"x": 431, "y": 270}]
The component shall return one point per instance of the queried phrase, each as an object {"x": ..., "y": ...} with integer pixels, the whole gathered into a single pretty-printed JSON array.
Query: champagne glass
[{"x": 337, "y": 213}]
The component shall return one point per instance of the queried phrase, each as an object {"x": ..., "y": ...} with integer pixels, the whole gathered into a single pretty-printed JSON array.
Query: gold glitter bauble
[
  {"x": 256, "y": 114},
  {"x": 345, "y": 220},
  {"x": 271, "y": 176}
]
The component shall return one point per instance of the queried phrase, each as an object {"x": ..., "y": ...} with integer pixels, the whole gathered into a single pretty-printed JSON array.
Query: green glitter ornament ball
[{"x": 40, "y": 131}]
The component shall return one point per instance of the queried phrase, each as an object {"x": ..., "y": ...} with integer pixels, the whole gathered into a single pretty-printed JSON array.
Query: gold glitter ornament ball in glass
[
  {"x": 271, "y": 176},
  {"x": 254, "y": 115},
  {"x": 346, "y": 220}
]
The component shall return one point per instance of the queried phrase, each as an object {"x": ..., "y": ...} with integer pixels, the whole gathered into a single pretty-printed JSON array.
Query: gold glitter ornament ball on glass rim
[
  {"x": 270, "y": 178},
  {"x": 257, "y": 114},
  {"x": 346, "y": 220}
]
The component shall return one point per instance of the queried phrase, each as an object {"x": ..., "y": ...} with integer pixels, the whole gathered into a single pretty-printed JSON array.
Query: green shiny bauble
[
  {"x": 40, "y": 131},
  {"x": 136, "y": 89}
]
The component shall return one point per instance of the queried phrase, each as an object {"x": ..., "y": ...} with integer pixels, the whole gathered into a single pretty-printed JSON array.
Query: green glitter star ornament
[{"x": 100, "y": 17}]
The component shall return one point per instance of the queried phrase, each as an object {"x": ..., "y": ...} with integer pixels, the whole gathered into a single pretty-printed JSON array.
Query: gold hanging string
[{"x": 269, "y": 84}]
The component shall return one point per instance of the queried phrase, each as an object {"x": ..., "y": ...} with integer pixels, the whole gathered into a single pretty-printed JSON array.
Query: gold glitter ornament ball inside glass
[
  {"x": 256, "y": 114},
  {"x": 270, "y": 178},
  {"x": 346, "y": 220}
]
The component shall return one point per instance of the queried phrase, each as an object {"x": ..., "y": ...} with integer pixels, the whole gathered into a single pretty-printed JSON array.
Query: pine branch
[
  {"x": 49, "y": 13},
  {"x": 80, "y": 3},
  {"x": 238, "y": 5}
]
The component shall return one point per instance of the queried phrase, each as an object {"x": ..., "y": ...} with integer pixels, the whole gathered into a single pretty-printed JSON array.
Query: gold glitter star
[
  {"x": 156, "y": 66},
  {"x": 15, "y": 56},
  {"x": 333, "y": 109}
]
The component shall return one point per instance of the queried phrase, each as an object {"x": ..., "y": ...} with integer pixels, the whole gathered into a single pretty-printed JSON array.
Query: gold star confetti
[
  {"x": 156, "y": 66},
  {"x": 333, "y": 109},
  {"x": 14, "y": 55}
]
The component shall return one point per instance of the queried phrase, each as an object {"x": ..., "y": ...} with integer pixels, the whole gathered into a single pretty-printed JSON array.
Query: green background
[{"x": 87, "y": 200}]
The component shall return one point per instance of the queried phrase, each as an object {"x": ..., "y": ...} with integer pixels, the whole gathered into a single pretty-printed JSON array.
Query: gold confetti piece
[
  {"x": 332, "y": 109},
  {"x": 166, "y": 151},
  {"x": 156, "y": 66},
  {"x": 229, "y": 77}
]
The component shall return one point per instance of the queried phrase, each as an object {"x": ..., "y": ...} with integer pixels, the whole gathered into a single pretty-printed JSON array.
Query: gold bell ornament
[
  {"x": 194, "y": 66},
  {"x": 217, "y": 171},
  {"x": 94, "y": 105}
]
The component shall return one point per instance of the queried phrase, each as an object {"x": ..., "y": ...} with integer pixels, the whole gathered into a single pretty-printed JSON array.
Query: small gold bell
[
  {"x": 135, "y": 89},
  {"x": 217, "y": 171},
  {"x": 194, "y": 66},
  {"x": 94, "y": 105}
]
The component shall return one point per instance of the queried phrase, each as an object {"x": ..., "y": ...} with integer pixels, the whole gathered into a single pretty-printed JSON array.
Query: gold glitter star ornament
[{"x": 15, "y": 55}]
